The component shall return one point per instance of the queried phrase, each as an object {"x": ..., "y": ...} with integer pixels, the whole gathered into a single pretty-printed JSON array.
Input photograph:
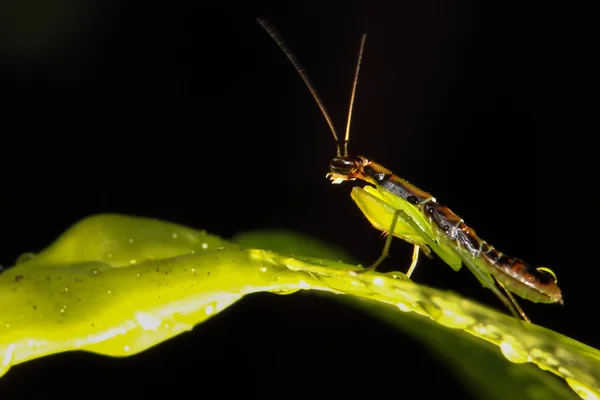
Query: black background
[{"x": 190, "y": 113}]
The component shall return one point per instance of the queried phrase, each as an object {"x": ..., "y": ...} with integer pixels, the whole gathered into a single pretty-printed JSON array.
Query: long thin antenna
[
  {"x": 274, "y": 33},
  {"x": 360, "y": 54}
]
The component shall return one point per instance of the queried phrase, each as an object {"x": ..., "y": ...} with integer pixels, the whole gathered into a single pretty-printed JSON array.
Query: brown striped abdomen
[{"x": 510, "y": 271}]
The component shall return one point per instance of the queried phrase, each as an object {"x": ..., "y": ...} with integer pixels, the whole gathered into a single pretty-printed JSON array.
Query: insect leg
[
  {"x": 415, "y": 259},
  {"x": 484, "y": 277},
  {"x": 514, "y": 301},
  {"x": 388, "y": 243},
  {"x": 386, "y": 247}
]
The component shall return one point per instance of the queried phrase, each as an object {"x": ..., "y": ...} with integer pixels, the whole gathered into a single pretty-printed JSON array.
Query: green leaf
[
  {"x": 117, "y": 285},
  {"x": 478, "y": 364}
]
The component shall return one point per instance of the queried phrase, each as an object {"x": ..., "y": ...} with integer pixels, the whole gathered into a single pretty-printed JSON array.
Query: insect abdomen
[{"x": 515, "y": 274}]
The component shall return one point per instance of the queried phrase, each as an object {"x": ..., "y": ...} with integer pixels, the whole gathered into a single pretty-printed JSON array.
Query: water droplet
[
  {"x": 174, "y": 236},
  {"x": 488, "y": 331},
  {"x": 193, "y": 270},
  {"x": 109, "y": 255},
  {"x": 25, "y": 257},
  {"x": 109, "y": 292},
  {"x": 450, "y": 315},
  {"x": 582, "y": 390},
  {"x": 411, "y": 300},
  {"x": 284, "y": 292},
  {"x": 8, "y": 355},
  {"x": 303, "y": 284},
  {"x": 205, "y": 246},
  {"x": 378, "y": 281},
  {"x": 514, "y": 353},
  {"x": 147, "y": 321},
  {"x": 545, "y": 356},
  {"x": 66, "y": 289},
  {"x": 126, "y": 348},
  {"x": 565, "y": 372},
  {"x": 455, "y": 320},
  {"x": 433, "y": 310},
  {"x": 208, "y": 310},
  {"x": 263, "y": 269}
]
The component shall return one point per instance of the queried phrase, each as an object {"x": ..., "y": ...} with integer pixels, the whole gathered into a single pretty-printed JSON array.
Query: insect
[{"x": 400, "y": 209}]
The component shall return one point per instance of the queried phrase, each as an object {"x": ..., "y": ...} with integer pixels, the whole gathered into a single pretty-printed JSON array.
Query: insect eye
[{"x": 342, "y": 166}]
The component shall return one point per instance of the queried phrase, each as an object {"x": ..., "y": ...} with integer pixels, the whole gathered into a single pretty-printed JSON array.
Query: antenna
[
  {"x": 274, "y": 33},
  {"x": 353, "y": 95},
  {"x": 276, "y": 36}
]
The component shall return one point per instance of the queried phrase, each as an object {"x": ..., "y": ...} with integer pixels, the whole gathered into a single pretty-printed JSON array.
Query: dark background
[{"x": 191, "y": 114}]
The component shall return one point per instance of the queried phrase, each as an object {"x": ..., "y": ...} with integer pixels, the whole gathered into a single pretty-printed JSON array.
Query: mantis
[{"x": 400, "y": 209}]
